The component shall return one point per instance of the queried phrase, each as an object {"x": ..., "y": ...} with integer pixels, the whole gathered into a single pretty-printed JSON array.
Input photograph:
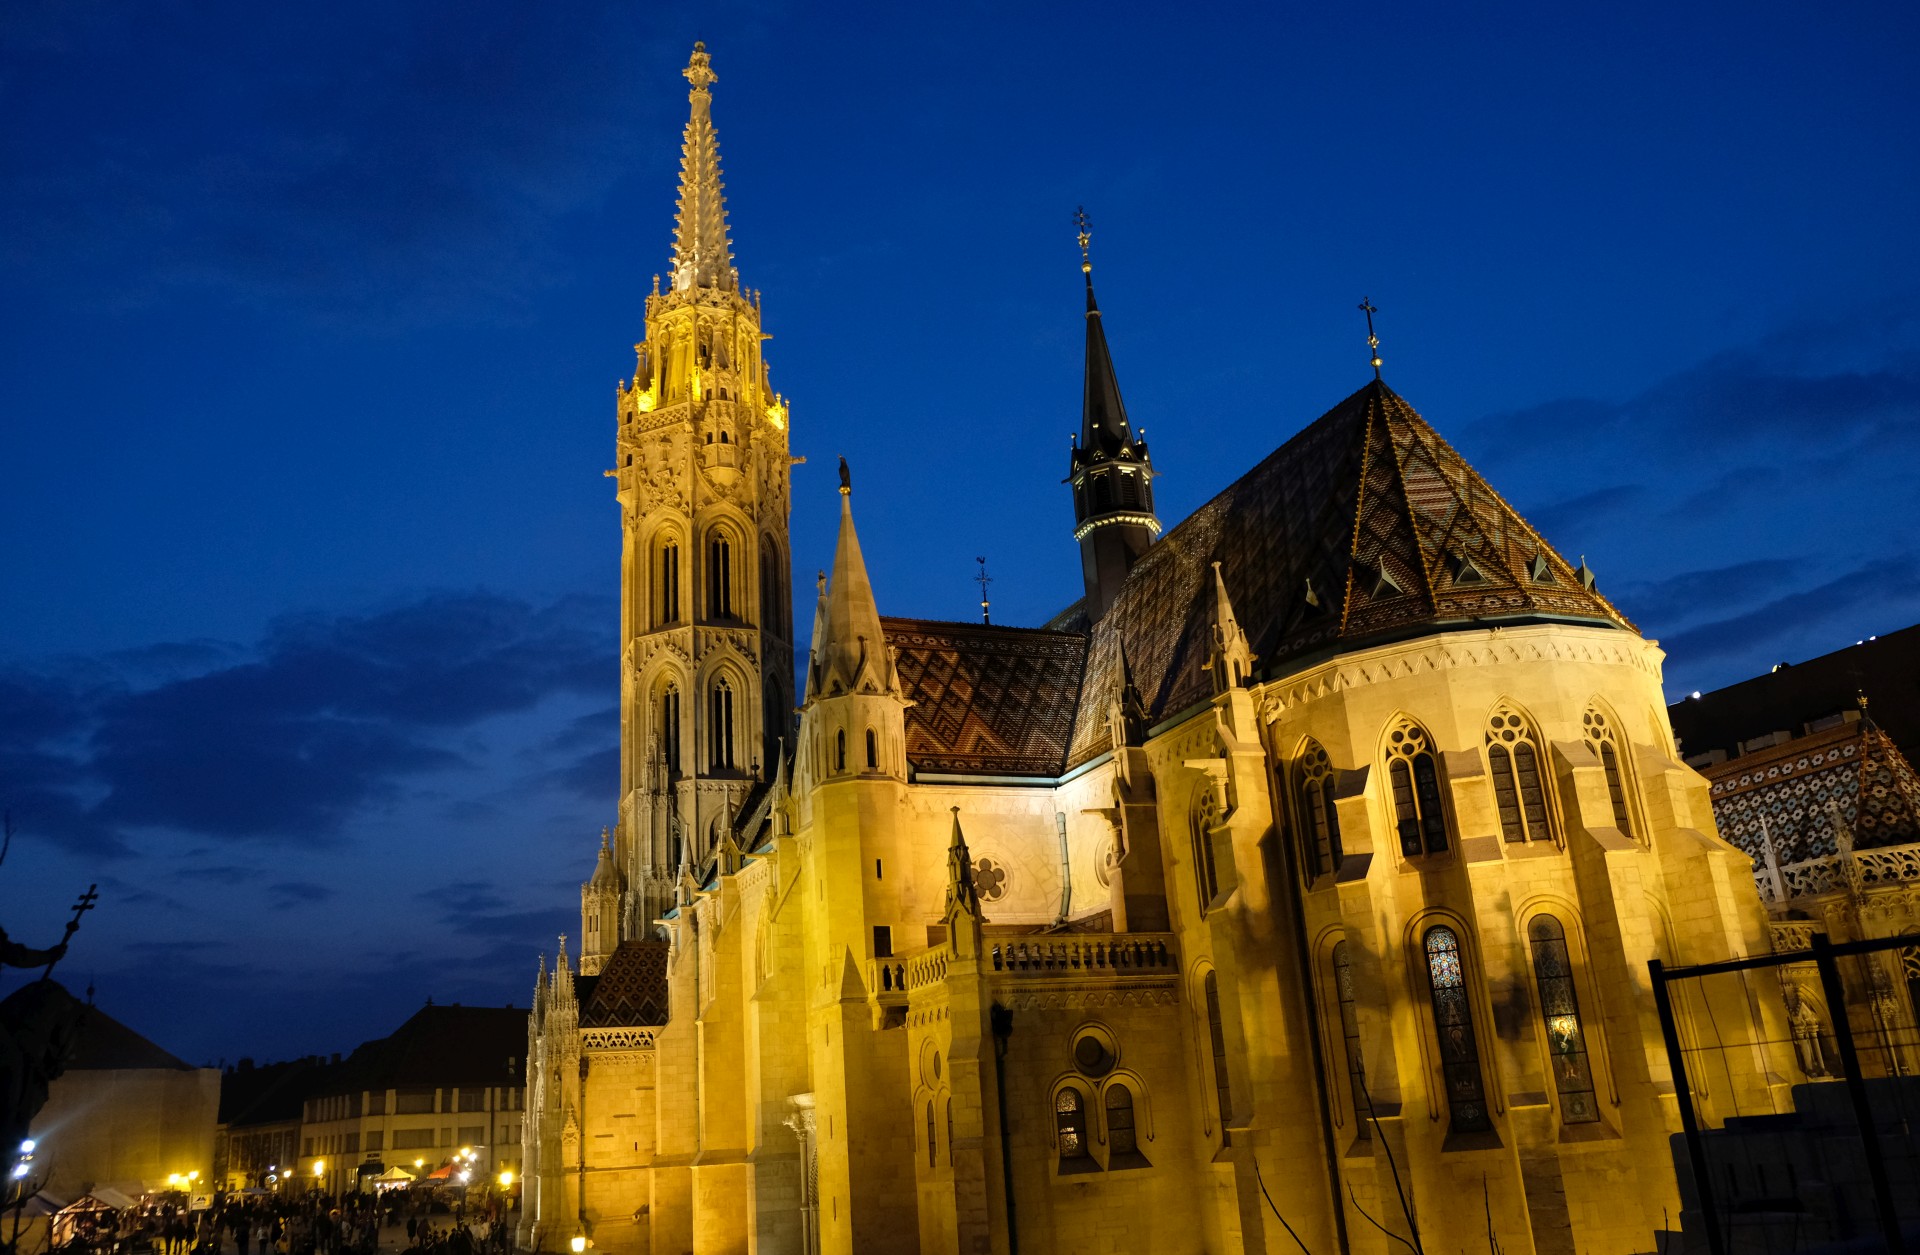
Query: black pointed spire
[{"x": 1109, "y": 469}]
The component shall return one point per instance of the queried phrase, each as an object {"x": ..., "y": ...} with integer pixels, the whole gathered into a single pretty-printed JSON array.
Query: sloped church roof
[{"x": 1364, "y": 528}]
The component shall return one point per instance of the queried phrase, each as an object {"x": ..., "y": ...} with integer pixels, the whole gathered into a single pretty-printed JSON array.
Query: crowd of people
[{"x": 309, "y": 1224}]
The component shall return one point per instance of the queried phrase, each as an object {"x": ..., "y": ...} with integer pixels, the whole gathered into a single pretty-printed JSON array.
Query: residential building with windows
[{"x": 448, "y": 1080}]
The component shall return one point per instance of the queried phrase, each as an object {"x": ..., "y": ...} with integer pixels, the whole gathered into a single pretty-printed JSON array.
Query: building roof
[
  {"x": 104, "y": 1044},
  {"x": 986, "y": 700},
  {"x": 1363, "y": 528},
  {"x": 1790, "y": 792},
  {"x": 630, "y": 991},
  {"x": 1886, "y": 669},
  {"x": 271, "y": 1093},
  {"x": 439, "y": 1046}
]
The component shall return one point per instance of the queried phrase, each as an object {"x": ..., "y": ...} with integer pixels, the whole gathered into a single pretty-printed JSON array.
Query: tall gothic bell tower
[{"x": 706, "y": 674}]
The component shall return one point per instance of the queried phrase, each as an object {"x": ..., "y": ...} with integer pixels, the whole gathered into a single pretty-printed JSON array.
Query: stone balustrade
[
  {"x": 1088, "y": 954},
  {"x": 1892, "y": 864}
]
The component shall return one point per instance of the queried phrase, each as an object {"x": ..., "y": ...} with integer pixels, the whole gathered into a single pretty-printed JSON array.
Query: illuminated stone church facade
[{"x": 1302, "y": 875}]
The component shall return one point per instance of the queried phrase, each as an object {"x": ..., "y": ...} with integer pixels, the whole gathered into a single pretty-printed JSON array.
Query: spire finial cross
[
  {"x": 1368, "y": 308},
  {"x": 983, "y": 579},
  {"x": 1084, "y": 225}
]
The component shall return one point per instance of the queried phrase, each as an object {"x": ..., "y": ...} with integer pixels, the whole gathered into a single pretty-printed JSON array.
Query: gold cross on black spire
[
  {"x": 1368, "y": 308},
  {"x": 1085, "y": 226},
  {"x": 983, "y": 579}
]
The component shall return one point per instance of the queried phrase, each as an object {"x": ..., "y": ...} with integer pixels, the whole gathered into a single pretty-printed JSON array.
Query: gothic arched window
[
  {"x": 840, "y": 750},
  {"x": 1319, "y": 822},
  {"x": 1350, "y": 1033},
  {"x": 667, "y": 584},
  {"x": 931, "y": 1144},
  {"x": 1453, "y": 1026},
  {"x": 773, "y": 590},
  {"x": 873, "y": 751},
  {"x": 670, "y": 727},
  {"x": 1415, "y": 777},
  {"x": 719, "y": 576},
  {"x": 1205, "y": 814},
  {"x": 1600, "y": 735},
  {"x": 1070, "y": 1124},
  {"x": 720, "y": 725},
  {"x": 1122, "y": 1139},
  {"x": 1217, "y": 1039},
  {"x": 1560, "y": 1008},
  {"x": 1513, "y": 755}
]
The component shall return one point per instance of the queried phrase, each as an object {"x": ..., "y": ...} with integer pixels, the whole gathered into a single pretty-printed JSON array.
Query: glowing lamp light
[
  {"x": 19, "y": 1171},
  {"x": 26, "y": 1147},
  {"x": 193, "y": 1176},
  {"x": 506, "y": 1180},
  {"x": 175, "y": 1180},
  {"x": 579, "y": 1243},
  {"x": 319, "y": 1167}
]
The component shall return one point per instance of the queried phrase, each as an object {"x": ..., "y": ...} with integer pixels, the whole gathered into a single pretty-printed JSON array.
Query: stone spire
[
  {"x": 1232, "y": 659},
  {"x": 963, "y": 896},
  {"x": 849, "y": 649},
  {"x": 702, "y": 253},
  {"x": 1111, "y": 473}
]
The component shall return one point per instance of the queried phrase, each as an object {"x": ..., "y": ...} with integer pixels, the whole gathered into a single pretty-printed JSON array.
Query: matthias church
[{"x": 1295, "y": 884}]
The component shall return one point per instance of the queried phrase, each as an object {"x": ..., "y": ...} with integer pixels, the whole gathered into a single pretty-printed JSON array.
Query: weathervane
[
  {"x": 983, "y": 579},
  {"x": 1085, "y": 226},
  {"x": 1368, "y": 308}
]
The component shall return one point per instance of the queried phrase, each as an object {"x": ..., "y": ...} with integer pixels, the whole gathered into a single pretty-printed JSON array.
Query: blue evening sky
[{"x": 313, "y": 316}]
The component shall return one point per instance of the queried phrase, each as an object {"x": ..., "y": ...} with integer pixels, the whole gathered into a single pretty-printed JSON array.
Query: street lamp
[
  {"x": 506, "y": 1180},
  {"x": 579, "y": 1243}
]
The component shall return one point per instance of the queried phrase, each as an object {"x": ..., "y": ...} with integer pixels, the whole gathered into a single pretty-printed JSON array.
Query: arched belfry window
[
  {"x": 1070, "y": 1125},
  {"x": 720, "y": 725},
  {"x": 719, "y": 576},
  {"x": 1519, "y": 787},
  {"x": 1201, "y": 819},
  {"x": 1414, "y": 776},
  {"x": 1350, "y": 1032},
  {"x": 1319, "y": 822},
  {"x": 1217, "y": 1039},
  {"x": 669, "y": 726},
  {"x": 1602, "y": 736},
  {"x": 873, "y": 751},
  {"x": 1453, "y": 1027},
  {"x": 1122, "y": 1137},
  {"x": 840, "y": 750},
  {"x": 773, "y": 590},
  {"x": 1560, "y": 1009},
  {"x": 667, "y": 584}
]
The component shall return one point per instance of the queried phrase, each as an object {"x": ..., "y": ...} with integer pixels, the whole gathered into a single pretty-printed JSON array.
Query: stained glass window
[
  {"x": 1453, "y": 1026},
  {"x": 1070, "y": 1122},
  {"x": 1206, "y": 813},
  {"x": 1319, "y": 822},
  {"x": 1217, "y": 1033},
  {"x": 1350, "y": 1030},
  {"x": 1415, "y": 779},
  {"x": 1560, "y": 1008},
  {"x": 1121, "y": 1139},
  {"x": 1521, "y": 795},
  {"x": 1600, "y": 735}
]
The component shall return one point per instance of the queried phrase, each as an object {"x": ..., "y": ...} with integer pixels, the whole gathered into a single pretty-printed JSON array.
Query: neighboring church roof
[
  {"x": 1363, "y": 528},
  {"x": 630, "y": 991},
  {"x": 986, "y": 700},
  {"x": 104, "y": 1044},
  {"x": 1886, "y": 669},
  {"x": 1789, "y": 792}
]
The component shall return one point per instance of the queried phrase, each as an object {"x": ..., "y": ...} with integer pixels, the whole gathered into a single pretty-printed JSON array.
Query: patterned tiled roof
[
  {"x": 1790, "y": 792},
  {"x": 986, "y": 700},
  {"x": 631, "y": 990},
  {"x": 1366, "y": 526}
]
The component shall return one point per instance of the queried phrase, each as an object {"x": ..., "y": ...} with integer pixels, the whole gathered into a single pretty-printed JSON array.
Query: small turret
[
  {"x": 1231, "y": 661},
  {"x": 600, "y": 910}
]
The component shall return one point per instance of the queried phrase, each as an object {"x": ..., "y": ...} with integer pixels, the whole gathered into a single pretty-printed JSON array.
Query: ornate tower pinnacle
[
  {"x": 702, "y": 253},
  {"x": 703, "y": 467},
  {"x": 1111, "y": 474}
]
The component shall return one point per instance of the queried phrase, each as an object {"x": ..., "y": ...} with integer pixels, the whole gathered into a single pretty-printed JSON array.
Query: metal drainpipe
[
  {"x": 1001, "y": 1019},
  {"x": 1066, "y": 866}
]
